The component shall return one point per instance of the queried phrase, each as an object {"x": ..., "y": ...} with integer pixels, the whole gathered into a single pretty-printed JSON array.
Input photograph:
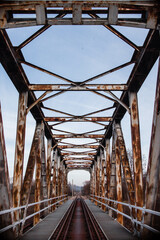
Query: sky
[{"x": 77, "y": 53}]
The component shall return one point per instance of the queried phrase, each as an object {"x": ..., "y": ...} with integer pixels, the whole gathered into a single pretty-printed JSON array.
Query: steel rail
[
  {"x": 64, "y": 224},
  {"x": 92, "y": 223}
]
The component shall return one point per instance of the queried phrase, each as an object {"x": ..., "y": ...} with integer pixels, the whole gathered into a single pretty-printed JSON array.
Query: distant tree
[
  {"x": 69, "y": 189},
  {"x": 86, "y": 188}
]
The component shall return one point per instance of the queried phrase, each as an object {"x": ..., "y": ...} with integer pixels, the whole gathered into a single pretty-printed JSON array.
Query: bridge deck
[
  {"x": 44, "y": 229},
  {"x": 112, "y": 229}
]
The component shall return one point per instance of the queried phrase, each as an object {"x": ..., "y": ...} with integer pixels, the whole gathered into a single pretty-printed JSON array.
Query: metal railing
[
  {"x": 11, "y": 210},
  {"x": 143, "y": 209}
]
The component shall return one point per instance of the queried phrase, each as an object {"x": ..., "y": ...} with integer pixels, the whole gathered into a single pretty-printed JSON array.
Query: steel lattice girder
[
  {"x": 144, "y": 58},
  {"x": 147, "y": 12}
]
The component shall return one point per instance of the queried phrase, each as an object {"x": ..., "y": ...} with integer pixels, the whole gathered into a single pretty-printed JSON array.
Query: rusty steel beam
[
  {"x": 49, "y": 166},
  {"x": 86, "y": 87},
  {"x": 73, "y": 162},
  {"x": 118, "y": 177},
  {"x": 37, "y": 196},
  {"x": 78, "y": 119},
  {"x": 77, "y": 153},
  {"x": 108, "y": 167},
  {"x": 27, "y": 182},
  {"x": 5, "y": 191},
  {"x": 78, "y": 146},
  {"x": 112, "y": 187},
  {"x": 125, "y": 164},
  {"x": 77, "y": 136},
  {"x": 136, "y": 148},
  {"x": 19, "y": 155},
  {"x": 43, "y": 170},
  {"x": 48, "y": 72},
  {"x": 78, "y": 159},
  {"x": 33, "y": 36},
  {"x": 54, "y": 179},
  {"x": 79, "y": 168},
  {"x": 153, "y": 179},
  {"x": 9, "y": 61},
  {"x": 149, "y": 20},
  {"x": 107, "y": 72},
  {"x": 98, "y": 182},
  {"x": 103, "y": 168},
  {"x": 145, "y": 60},
  {"x": 58, "y": 177},
  {"x": 91, "y": 182}
]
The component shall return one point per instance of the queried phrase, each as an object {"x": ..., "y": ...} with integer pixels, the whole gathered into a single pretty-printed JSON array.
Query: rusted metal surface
[
  {"x": 78, "y": 146},
  {"x": 54, "y": 178},
  {"x": 49, "y": 166},
  {"x": 103, "y": 168},
  {"x": 142, "y": 60},
  {"x": 37, "y": 196},
  {"x": 125, "y": 163},
  {"x": 114, "y": 8},
  {"x": 108, "y": 167},
  {"x": 153, "y": 162},
  {"x": 86, "y": 87},
  {"x": 78, "y": 153},
  {"x": 112, "y": 187},
  {"x": 78, "y": 119},
  {"x": 78, "y": 136},
  {"x": 118, "y": 177},
  {"x": 98, "y": 180},
  {"x": 136, "y": 148},
  {"x": 5, "y": 191},
  {"x": 27, "y": 182},
  {"x": 19, "y": 153},
  {"x": 43, "y": 170}
]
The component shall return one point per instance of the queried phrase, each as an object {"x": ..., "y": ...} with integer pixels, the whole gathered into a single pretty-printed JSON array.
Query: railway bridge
[{"x": 93, "y": 140}]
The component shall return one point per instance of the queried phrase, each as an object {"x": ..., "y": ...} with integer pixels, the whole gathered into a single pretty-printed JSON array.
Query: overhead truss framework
[
  {"x": 143, "y": 14},
  {"x": 66, "y": 153}
]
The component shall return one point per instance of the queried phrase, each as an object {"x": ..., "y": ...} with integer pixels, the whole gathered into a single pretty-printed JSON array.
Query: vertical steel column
[
  {"x": 108, "y": 167},
  {"x": 153, "y": 171},
  {"x": 58, "y": 177},
  {"x": 5, "y": 192},
  {"x": 43, "y": 171},
  {"x": 92, "y": 181},
  {"x": 136, "y": 148},
  {"x": 27, "y": 182},
  {"x": 112, "y": 192},
  {"x": 118, "y": 176},
  {"x": 95, "y": 173},
  {"x": 19, "y": 154},
  {"x": 126, "y": 168},
  {"x": 103, "y": 178},
  {"x": 37, "y": 196},
  {"x": 66, "y": 182},
  {"x": 54, "y": 165},
  {"x": 98, "y": 176},
  {"x": 125, "y": 163},
  {"x": 48, "y": 170}
]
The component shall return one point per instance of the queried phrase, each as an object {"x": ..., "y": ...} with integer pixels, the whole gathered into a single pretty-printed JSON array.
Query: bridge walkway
[{"x": 45, "y": 228}]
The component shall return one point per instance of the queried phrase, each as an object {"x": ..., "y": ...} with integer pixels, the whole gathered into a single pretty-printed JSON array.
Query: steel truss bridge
[{"x": 104, "y": 163}]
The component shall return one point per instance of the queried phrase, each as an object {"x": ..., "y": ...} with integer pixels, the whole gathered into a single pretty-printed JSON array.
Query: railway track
[{"x": 78, "y": 223}]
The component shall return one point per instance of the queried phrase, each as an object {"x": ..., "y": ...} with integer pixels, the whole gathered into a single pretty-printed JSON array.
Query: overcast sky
[{"x": 77, "y": 53}]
